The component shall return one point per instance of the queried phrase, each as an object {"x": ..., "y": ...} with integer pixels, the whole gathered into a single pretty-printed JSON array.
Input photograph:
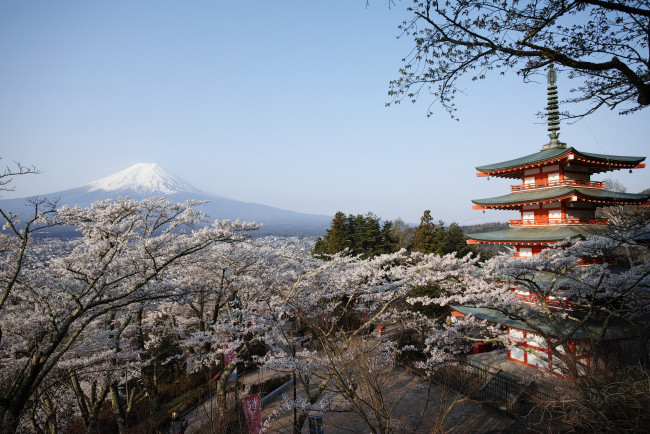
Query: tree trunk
[{"x": 118, "y": 409}]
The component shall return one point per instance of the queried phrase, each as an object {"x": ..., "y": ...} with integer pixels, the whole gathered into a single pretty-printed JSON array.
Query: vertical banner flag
[
  {"x": 227, "y": 358},
  {"x": 253, "y": 413}
]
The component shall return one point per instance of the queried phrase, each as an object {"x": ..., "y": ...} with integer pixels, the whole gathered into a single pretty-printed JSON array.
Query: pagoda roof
[
  {"x": 618, "y": 328},
  {"x": 552, "y": 194},
  {"x": 535, "y": 235},
  {"x": 595, "y": 162}
]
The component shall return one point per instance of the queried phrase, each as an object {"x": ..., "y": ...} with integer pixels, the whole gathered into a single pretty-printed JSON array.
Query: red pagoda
[{"x": 556, "y": 199}]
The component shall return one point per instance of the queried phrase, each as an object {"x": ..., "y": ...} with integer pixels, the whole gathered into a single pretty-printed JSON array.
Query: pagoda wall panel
[
  {"x": 576, "y": 213},
  {"x": 552, "y": 205},
  {"x": 575, "y": 176},
  {"x": 551, "y": 168}
]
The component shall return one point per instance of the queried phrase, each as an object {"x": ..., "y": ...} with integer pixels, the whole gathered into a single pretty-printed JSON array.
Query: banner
[
  {"x": 228, "y": 357},
  {"x": 253, "y": 413}
]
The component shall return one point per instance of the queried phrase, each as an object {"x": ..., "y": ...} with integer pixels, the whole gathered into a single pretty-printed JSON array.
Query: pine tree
[
  {"x": 388, "y": 242},
  {"x": 362, "y": 235},
  {"x": 425, "y": 236},
  {"x": 337, "y": 234},
  {"x": 369, "y": 236},
  {"x": 455, "y": 241}
]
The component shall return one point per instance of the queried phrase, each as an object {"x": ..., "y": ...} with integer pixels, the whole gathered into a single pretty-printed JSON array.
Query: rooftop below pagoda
[{"x": 535, "y": 235}]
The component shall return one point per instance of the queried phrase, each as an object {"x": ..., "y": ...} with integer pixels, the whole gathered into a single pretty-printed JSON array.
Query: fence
[{"x": 494, "y": 388}]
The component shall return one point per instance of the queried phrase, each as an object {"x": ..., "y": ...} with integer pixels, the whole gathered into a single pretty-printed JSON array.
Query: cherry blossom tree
[
  {"x": 126, "y": 251},
  {"x": 335, "y": 305},
  {"x": 233, "y": 310}
]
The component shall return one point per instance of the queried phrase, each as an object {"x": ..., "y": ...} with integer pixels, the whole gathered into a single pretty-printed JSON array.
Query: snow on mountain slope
[
  {"x": 148, "y": 179},
  {"x": 144, "y": 178}
]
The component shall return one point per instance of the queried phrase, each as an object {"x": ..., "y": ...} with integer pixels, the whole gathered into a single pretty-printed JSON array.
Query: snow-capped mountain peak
[{"x": 144, "y": 178}]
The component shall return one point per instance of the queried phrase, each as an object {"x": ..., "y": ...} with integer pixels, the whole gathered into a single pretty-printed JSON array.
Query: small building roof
[
  {"x": 617, "y": 329},
  {"x": 516, "y": 199},
  {"x": 535, "y": 235},
  {"x": 595, "y": 162}
]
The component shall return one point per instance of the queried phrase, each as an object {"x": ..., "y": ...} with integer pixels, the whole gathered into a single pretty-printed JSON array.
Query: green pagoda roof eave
[
  {"x": 618, "y": 329},
  {"x": 549, "y": 194},
  {"x": 536, "y": 234},
  {"x": 558, "y": 153}
]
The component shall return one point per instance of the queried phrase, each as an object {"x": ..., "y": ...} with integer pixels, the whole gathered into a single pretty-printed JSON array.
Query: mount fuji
[{"x": 148, "y": 179}]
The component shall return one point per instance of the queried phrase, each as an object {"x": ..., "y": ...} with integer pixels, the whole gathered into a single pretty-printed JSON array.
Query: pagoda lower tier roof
[
  {"x": 535, "y": 235},
  {"x": 617, "y": 328},
  {"x": 514, "y": 200},
  {"x": 595, "y": 162}
]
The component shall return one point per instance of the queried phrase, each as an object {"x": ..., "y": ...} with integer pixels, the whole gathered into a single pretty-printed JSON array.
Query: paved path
[{"x": 417, "y": 410}]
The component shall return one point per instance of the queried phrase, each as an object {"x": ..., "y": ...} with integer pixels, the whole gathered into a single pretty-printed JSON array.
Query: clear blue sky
[{"x": 274, "y": 102}]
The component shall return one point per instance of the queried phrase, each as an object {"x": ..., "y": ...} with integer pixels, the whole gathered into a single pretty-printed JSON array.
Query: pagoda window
[
  {"x": 555, "y": 214},
  {"x": 529, "y": 180},
  {"x": 518, "y": 354},
  {"x": 556, "y": 364},
  {"x": 528, "y": 215},
  {"x": 525, "y": 252},
  {"x": 554, "y": 178},
  {"x": 538, "y": 359},
  {"x": 536, "y": 341}
]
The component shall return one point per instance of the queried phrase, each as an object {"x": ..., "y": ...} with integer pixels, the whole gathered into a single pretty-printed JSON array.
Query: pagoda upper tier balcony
[
  {"x": 556, "y": 183},
  {"x": 545, "y": 221}
]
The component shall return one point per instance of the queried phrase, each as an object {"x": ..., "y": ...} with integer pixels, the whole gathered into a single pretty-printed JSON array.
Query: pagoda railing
[
  {"x": 556, "y": 183},
  {"x": 561, "y": 303},
  {"x": 556, "y": 222}
]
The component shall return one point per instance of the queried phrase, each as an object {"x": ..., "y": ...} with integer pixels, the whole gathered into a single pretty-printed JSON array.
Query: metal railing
[
  {"x": 494, "y": 388},
  {"x": 541, "y": 221},
  {"x": 556, "y": 183}
]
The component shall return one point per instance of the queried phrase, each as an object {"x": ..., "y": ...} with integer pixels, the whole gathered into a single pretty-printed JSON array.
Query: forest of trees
[{"x": 365, "y": 236}]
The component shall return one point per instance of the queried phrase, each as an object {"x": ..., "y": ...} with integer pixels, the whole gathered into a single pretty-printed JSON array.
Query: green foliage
[
  {"x": 364, "y": 235},
  {"x": 427, "y": 238},
  {"x": 432, "y": 310},
  {"x": 441, "y": 240},
  {"x": 361, "y": 234}
]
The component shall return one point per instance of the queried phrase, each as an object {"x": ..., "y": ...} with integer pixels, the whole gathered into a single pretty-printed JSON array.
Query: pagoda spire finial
[{"x": 553, "y": 113}]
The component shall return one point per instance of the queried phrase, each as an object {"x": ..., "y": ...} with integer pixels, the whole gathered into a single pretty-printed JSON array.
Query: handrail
[
  {"x": 555, "y": 183},
  {"x": 557, "y": 221}
]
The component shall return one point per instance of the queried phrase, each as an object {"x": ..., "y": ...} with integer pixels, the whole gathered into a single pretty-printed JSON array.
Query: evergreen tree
[
  {"x": 388, "y": 242},
  {"x": 424, "y": 239},
  {"x": 337, "y": 235},
  {"x": 369, "y": 236},
  {"x": 363, "y": 235},
  {"x": 455, "y": 241}
]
